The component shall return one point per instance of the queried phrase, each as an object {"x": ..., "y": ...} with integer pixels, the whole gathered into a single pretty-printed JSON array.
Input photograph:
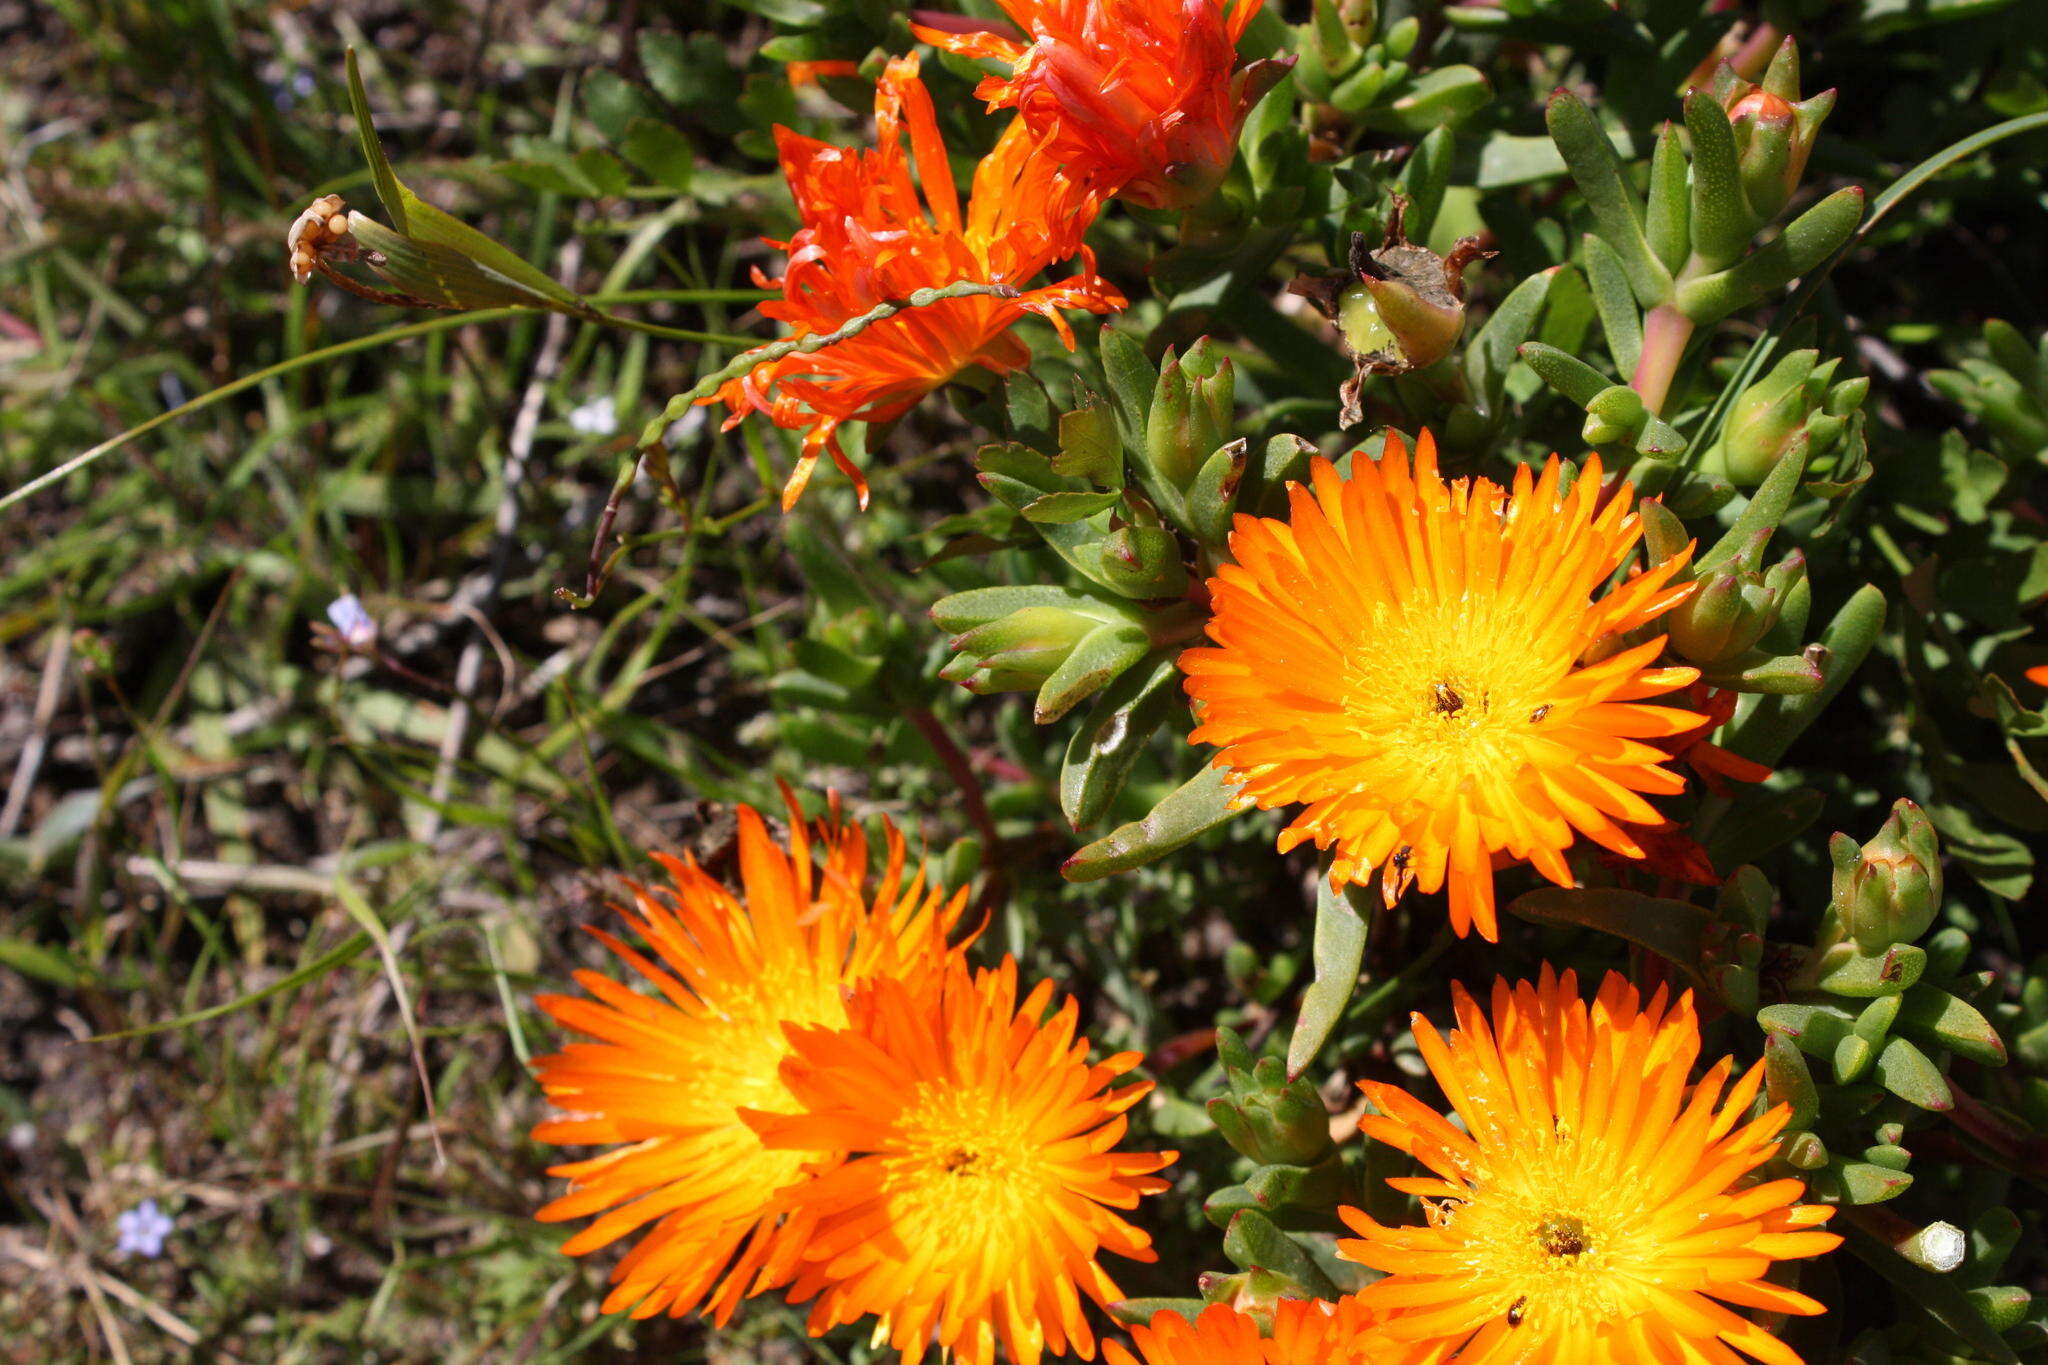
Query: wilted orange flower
[
  {"x": 667, "y": 1073},
  {"x": 1593, "y": 1206},
  {"x": 1716, "y": 766},
  {"x": 1426, "y": 668},
  {"x": 1305, "y": 1332},
  {"x": 979, "y": 1176},
  {"x": 802, "y": 74},
  {"x": 1141, "y": 98},
  {"x": 868, "y": 239}
]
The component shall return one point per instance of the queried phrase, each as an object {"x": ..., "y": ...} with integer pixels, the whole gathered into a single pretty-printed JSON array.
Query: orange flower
[
  {"x": 868, "y": 239},
  {"x": 666, "y": 1075},
  {"x": 1426, "y": 668},
  {"x": 1305, "y": 1332},
  {"x": 1592, "y": 1207},
  {"x": 1141, "y": 98},
  {"x": 978, "y": 1177},
  {"x": 2038, "y": 674}
]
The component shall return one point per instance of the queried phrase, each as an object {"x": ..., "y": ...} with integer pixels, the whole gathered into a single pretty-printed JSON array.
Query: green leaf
[
  {"x": 550, "y": 168},
  {"x": 1131, "y": 379},
  {"x": 1910, "y": 1074},
  {"x": 389, "y": 193},
  {"x": 1721, "y": 221},
  {"x": 1255, "y": 1241},
  {"x": 1212, "y": 497},
  {"x": 1847, "y": 970},
  {"x": 1568, "y": 374},
  {"x": 1788, "y": 1080},
  {"x": 1140, "y": 1312},
  {"x": 1843, "y": 1181},
  {"x": 1102, "y": 751},
  {"x": 1090, "y": 447},
  {"x": 1807, "y": 240},
  {"x": 1436, "y": 99},
  {"x": 1491, "y": 353},
  {"x": 1620, "y": 319},
  {"x": 1912, "y": 180},
  {"x": 1188, "y": 812},
  {"x": 447, "y": 249},
  {"x": 1763, "y": 821},
  {"x": 660, "y": 151},
  {"x": 1102, "y": 654},
  {"x": 1424, "y": 177},
  {"x": 313, "y": 970},
  {"x": 1675, "y": 930},
  {"x": 1932, "y": 1016},
  {"x": 1765, "y": 728},
  {"x": 1600, "y": 177},
  {"x": 1667, "y": 224},
  {"x": 1767, "y": 507},
  {"x": 1816, "y": 1030},
  {"x": 1056, "y": 509},
  {"x": 1340, "y": 934},
  {"x": 605, "y": 173},
  {"x": 51, "y": 965},
  {"x": 964, "y": 611}
]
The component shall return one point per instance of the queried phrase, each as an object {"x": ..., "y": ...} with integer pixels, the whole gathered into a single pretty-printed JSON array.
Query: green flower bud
[
  {"x": 1792, "y": 406},
  {"x": 1144, "y": 561},
  {"x": 1887, "y": 892},
  {"x": 1267, "y": 1117},
  {"x": 1731, "y": 610},
  {"x": 1774, "y": 129},
  {"x": 1014, "y": 639},
  {"x": 1193, "y": 412}
]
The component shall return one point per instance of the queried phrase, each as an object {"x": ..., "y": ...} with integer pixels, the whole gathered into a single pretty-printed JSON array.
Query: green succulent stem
[{"x": 1665, "y": 334}]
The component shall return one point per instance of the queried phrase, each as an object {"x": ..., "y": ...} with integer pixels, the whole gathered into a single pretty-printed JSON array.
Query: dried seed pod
[
  {"x": 320, "y": 232},
  {"x": 1400, "y": 307}
]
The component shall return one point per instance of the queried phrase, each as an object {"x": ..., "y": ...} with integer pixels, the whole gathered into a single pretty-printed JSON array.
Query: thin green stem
[
  {"x": 655, "y": 329},
  {"x": 365, "y": 343}
]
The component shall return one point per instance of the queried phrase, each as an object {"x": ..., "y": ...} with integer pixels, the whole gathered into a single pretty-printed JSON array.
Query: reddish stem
[
  {"x": 1665, "y": 333},
  {"x": 958, "y": 766}
]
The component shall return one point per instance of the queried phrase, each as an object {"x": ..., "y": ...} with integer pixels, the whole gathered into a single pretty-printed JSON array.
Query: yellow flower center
[
  {"x": 1448, "y": 694},
  {"x": 1567, "y": 1245},
  {"x": 968, "y": 1169},
  {"x": 1563, "y": 1234}
]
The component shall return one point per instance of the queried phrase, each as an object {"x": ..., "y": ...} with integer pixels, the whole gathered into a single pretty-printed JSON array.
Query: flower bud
[
  {"x": 1144, "y": 561},
  {"x": 1888, "y": 891},
  {"x": 1193, "y": 412},
  {"x": 1792, "y": 406},
  {"x": 1267, "y": 1117},
  {"x": 1774, "y": 128},
  {"x": 1731, "y": 610},
  {"x": 1014, "y": 639}
]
